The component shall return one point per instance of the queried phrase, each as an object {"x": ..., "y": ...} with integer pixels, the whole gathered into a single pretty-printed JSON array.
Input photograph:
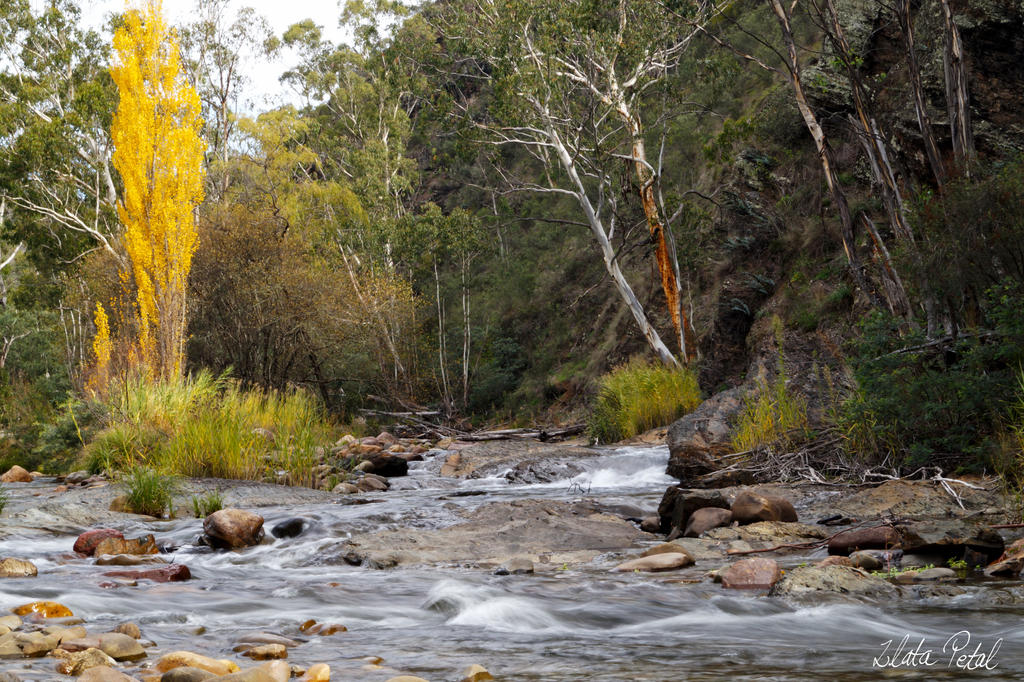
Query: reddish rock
[
  {"x": 749, "y": 507},
  {"x": 16, "y": 474},
  {"x": 87, "y": 541},
  {"x": 1008, "y": 565},
  {"x": 165, "y": 574},
  {"x": 875, "y": 537},
  {"x": 705, "y": 519},
  {"x": 751, "y": 574},
  {"x": 138, "y": 546}
]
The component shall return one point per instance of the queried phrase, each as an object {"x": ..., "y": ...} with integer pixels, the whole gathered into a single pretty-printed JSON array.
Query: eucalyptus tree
[{"x": 573, "y": 84}]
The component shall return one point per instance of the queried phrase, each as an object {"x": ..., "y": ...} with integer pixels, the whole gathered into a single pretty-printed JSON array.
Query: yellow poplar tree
[
  {"x": 101, "y": 346},
  {"x": 159, "y": 153}
]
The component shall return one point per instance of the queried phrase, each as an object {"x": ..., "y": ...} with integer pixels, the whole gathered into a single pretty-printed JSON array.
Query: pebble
[
  {"x": 476, "y": 673},
  {"x": 266, "y": 652},
  {"x": 130, "y": 629},
  {"x": 177, "y": 659}
]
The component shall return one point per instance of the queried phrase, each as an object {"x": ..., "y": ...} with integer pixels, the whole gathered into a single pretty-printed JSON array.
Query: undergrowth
[
  {"x": 776, "y": 416},
  {"x": 641, "y": 395},
  {"x": 149, "y": 491},
  {"x": 207, "y": 504},
  {"x": 207, "y": 426}
]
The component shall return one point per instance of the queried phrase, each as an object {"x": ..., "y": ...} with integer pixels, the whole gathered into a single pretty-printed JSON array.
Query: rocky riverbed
[{"x": 528, "y": 561}]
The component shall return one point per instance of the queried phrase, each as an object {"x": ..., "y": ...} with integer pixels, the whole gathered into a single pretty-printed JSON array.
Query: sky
[{"x": 265, "y": 91}]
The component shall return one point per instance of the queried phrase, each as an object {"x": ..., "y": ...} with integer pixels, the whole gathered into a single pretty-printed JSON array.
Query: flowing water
[{"x": 574, "y": 624}]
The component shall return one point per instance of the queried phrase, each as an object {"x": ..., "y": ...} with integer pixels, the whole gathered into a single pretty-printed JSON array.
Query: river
[{"x": 580, "y": 623}]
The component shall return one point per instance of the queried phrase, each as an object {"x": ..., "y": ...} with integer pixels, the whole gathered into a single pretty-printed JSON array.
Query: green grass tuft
[
  {"x": 148, "y": 491},
  {"x": 641, "y": 395},
  {"x": 207, "y": 504},
  {"x": 3, "y": 499}
]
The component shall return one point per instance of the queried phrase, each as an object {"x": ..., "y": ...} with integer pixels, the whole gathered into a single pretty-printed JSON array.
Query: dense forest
[{"x": 531, "y": 212}]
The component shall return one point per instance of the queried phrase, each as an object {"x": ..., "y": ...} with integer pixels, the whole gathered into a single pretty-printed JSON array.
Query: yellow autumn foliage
[
  {"x": 159, "y": 153},
  {"x": 101, "y": 346}
]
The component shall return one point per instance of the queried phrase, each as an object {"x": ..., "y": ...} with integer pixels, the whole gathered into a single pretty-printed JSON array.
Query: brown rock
[
  {"x": 651, "y": 524},
  {"x": 76, "y": 663},
  {"x": 476, "y": 673},
  {"x": 811, "y": 581},
  {"x": 656, "y": 562},
  {"x": 165, "y": 574},
  {"x": 178, "y": 659},
  {"x": 385, "y": 465},
  {"x": 233, "y": 529},
  {"x": 266, "y": 652},
  {"x": 17, "y": 568},
  {"x": 250, "y": 675},
  {"x": 130, "y": 629},
  {"x": 368, "y": 484},
  {"x": 87, "y": 541},
  {"x": 875, "y": 537},
  {"x": 187, "y": 673},
  {"x": 115, "y": 545},
  {"x": 451, "y": 464},
  {"x": 751, "y": 574},
  {"x": 678, "y": 503},
  {"x": 836, "y": 560},
  {"x": 705, "y": 519},
  {"x": 319, "y": 672},
  {"x": 128, "y": 559},
  {"x": 16, "y": 474},
  {"x": 749, "y": 507}
]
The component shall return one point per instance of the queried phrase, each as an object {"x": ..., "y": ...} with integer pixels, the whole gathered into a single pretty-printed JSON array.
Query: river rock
[
  {"x": 46, "y": 609},
  {"x": 476, "y": 673},
  {"x": 16, "y": 474},
  {"x": 250, "y": 675},
  {"x": 694, "y": 440},
  {"x": 835, "y": 560},
  {"x": 289, "y": 528},
  {"x": 951, "y": 538},
  {"x": 9, "y": 677},
  {"x": 130, "y": 629},
  {"x": 515, "y": 566},
  {"x": 656, "y": 562},
  {"x": 749, "y": 507},
  {"x": 345, "y": 488},
  {"x": 137, "y": 546},
  {"x": 874, "y": 537},
  {"x": 187, "y": 673},
  {"x": 121, "y": 647},
  {"x": 281, "y": 671},
  {"x": 650, "y": 524},
  {"x": 371, "y": 484},
  {"x": 875, "y": 560},
  {"x": 751, "y": 574},
  {"x": 677, "y": 504},
  {"x": 705, "y": 519},
  {"x": 1011, "y": 562},
  {"x": 233, "y": 529},
  {"x": 87, "y": 541},
  {"x": 254, "y": 638},
  {"x": 179, "y": 659},
  {"x": 319, "y": 672},
  {"x": 75, "y": 663},
  {"x": 34, "y": 644},
  {"x": 104, "y": 673},
  {"x": 407, "y": 678},
  {"x": 387, "y": 465},
  {"x": 165, "y": 574},
  {"x": 17, "y": 568},
  {"x": 810, "y": 581},
  {"x": 266, "y": 652}
]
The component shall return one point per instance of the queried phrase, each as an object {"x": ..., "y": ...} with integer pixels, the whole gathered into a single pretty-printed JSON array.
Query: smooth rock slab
[
  {"x": 668, "y": 561},
  {"x": 812, "y": 581},
  {"x": 751, "y": 574}
]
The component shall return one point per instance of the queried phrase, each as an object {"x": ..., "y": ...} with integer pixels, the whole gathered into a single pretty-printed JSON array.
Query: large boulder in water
[
  {"x": 233, "y": 529},
  {"x": 696, "y": 439},
  {"x": 385, "y": 465},
  {"x": 87, "y": 541},
  {"x": 16, "y": 474}
]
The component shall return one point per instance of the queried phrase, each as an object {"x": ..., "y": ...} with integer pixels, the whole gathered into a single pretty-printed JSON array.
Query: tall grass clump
[
  {"x": 3, "y": 499},
  {"x": 207, "y": 426},
  {"x": 148, "y": 491},
  {"x": 641, "y": 395},
  {"x": 776, "y": 415}
]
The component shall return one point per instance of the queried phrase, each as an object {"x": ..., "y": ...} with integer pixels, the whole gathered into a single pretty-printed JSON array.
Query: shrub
[
  {"x": 206, "y": 426},
  {"x": 920, "y": 401},
  {"x": 149, "y": 491},
  {"x": 641, "y": 395},
  {"x": 207, "y": 504}
]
